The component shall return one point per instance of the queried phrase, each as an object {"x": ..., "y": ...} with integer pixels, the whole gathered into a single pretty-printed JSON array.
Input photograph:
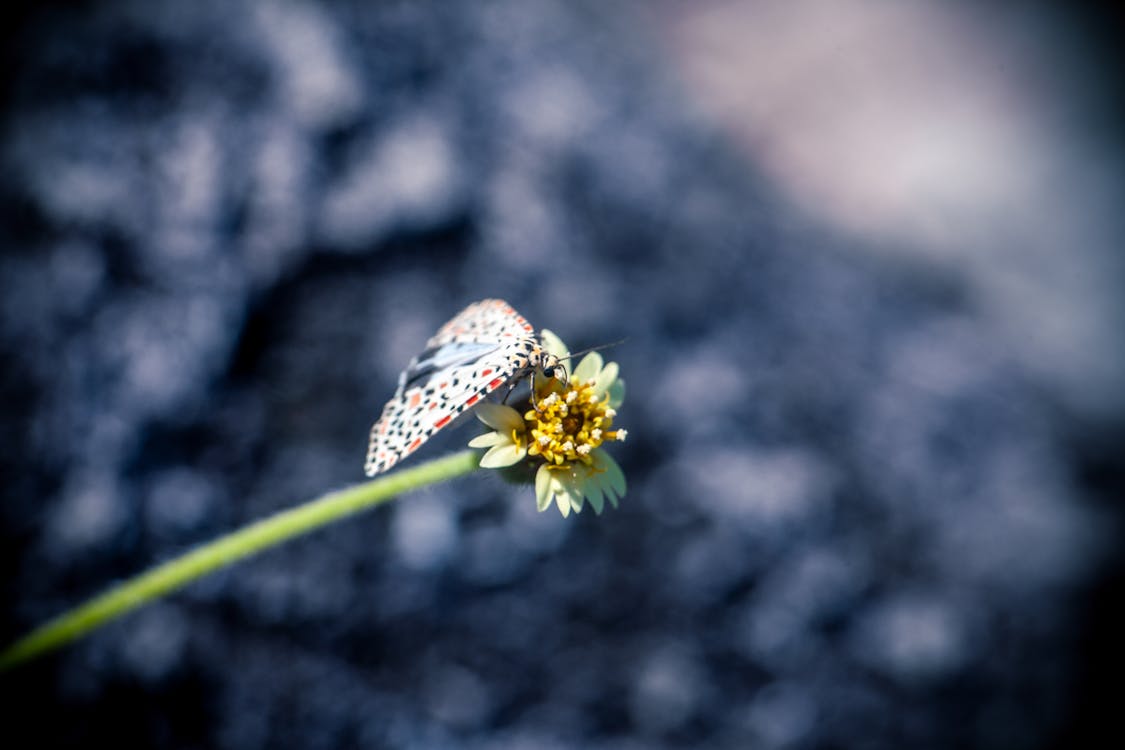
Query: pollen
[{"x": 565, "y": 428}]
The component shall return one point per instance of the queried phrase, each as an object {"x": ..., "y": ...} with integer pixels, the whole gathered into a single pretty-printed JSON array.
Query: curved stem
[{"x": 227, "y": 550}]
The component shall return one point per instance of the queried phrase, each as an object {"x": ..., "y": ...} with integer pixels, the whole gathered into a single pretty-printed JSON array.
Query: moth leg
[{"x": 511, "y": 387}]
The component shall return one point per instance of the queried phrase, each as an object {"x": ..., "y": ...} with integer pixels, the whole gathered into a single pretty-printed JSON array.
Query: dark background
[{"x": 867, "y": 264}]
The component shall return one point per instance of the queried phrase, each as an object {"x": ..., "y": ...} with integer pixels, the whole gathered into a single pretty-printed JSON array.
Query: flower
[{"x": 561, "y": 431}]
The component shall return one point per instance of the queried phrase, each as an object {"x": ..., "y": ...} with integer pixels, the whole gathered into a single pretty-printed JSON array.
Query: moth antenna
[{"x": 593, "y": 349}]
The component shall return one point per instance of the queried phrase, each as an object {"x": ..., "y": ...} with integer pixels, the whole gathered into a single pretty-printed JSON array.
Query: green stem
[{"x": 226, "y": 550}]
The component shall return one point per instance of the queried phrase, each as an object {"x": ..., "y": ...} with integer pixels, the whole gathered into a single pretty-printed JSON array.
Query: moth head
[{"x": 551, "y": 367}]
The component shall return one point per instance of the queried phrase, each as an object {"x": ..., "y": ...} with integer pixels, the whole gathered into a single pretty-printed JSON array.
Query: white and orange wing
[{"x": 482, "y": 348}]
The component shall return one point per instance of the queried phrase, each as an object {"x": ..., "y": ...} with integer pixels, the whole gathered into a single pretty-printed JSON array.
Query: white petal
[
  {"x": 562, "y": 500},
  {"x": 501, "y": 456},
  {"x": 606, "y": 378},
  {"x": 560, "y": 488},
  {"x": 588, "y": 368},
  {"x": 576, "y": 502},
  {"x": 499, "y": 417},
  {"x": 489, "y": 439},
  {"x": 543, "y": 488}
]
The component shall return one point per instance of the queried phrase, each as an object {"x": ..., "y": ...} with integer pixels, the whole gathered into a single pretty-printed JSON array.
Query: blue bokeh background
[{"x": 873, "y": 452}]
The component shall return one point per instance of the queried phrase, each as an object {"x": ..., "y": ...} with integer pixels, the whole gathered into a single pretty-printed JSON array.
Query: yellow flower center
[{"x": 565, "y": 427}]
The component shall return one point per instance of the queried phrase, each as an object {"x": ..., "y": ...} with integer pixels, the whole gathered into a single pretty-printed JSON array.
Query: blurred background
[{"x": 867, "y": 257}]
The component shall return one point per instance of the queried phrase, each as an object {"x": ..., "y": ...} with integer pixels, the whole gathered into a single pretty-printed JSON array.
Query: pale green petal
[
  {"x": 570, "y": 485},
  {"x": 613, "y": 474},
  {"x": 489, "y": 439},
  {"x": 502, "y": 455},
  {"x": 588, "y": 368},
  {"x": 594, "y": 493},
  {"x": 566, "y": 497},
  {"x": 576, "y": 502},
  {"x": 543, "y": 488},
  {"x": 607, "y": 488},
  {"x": 562, "y": 500},
  {"x": 617, "y": 393},
  {"x": 606, "y": 378},
  {"x": 499, "y": 417}
]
